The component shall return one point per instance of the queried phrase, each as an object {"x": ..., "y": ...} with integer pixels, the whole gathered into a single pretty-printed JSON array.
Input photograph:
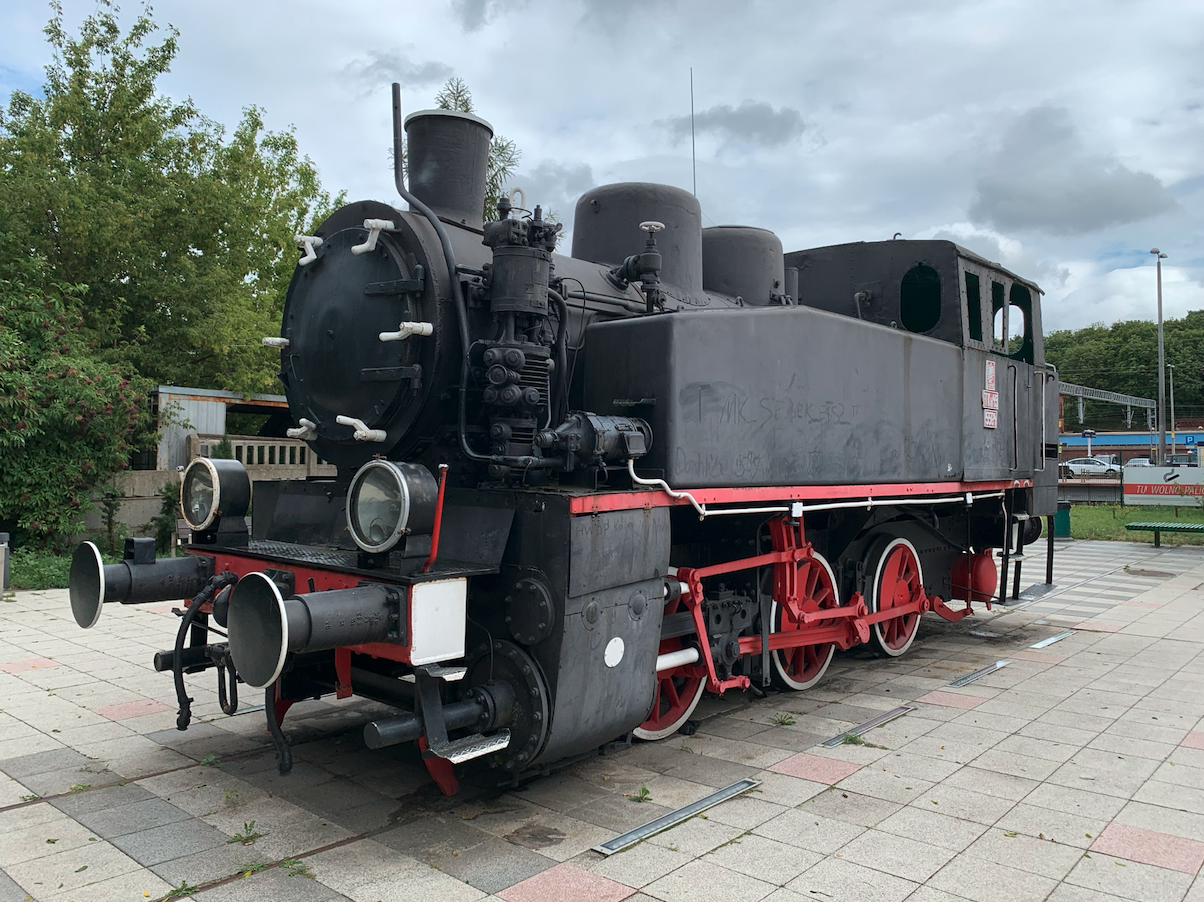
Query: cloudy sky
[{"x": 1063, "y": 139}]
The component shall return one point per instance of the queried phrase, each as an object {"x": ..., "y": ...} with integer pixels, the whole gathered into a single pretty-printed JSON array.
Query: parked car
[
  {"x": 1089, "y": 466},
  {"x": 1139, "y": 462}
]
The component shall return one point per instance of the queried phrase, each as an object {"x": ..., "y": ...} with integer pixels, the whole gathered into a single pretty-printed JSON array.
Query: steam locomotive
[{"x": 574, "y": 493}]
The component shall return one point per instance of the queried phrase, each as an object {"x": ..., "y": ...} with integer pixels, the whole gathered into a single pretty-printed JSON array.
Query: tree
[
  {"x": 184, "y": 238},
  {"x": 1123, "y": 358},
  {"x": 139, "y": 244},
  {"x": 67, "y": 419}
]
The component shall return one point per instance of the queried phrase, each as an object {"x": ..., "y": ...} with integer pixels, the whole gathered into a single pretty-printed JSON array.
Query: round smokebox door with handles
[
  {"x": 213, "y": 488},
  {"x": 348, "y": 355},
  {"x": 388, "y": 500}
]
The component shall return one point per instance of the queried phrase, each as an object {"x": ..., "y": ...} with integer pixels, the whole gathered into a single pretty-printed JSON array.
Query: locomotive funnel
[
  {"x": 447, "y": 156},
  {"x": 264, "y": 626},
  {"x": 139, "y": 579}
]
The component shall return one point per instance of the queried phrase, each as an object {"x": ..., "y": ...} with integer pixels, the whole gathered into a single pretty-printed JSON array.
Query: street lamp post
[
  {"x": 1171, "y": 373},
  {"x": 1161, "y": 366}
]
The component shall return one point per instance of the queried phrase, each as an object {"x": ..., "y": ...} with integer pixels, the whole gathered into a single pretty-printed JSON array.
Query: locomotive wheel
[
  {"x": 898, "y": 580},
  {"x": 676, "y": 695},
  {"x": 676, "y": 698},
  {"x": 804, "y": 666},
  {"x": 506, "y": 662}
]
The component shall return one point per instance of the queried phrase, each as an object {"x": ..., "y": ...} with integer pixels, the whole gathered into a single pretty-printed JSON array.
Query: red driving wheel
[
  {"x": 675, "y": 700},
  {"x": 803, "y": 666},
  {"x": 898, "y": 580}
]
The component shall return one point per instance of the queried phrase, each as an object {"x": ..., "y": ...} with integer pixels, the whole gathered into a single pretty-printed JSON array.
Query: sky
[{"x": 1061, "y": 139}]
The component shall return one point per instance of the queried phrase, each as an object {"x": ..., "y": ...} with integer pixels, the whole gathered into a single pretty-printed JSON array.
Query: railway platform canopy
[{"x": 1074, "y": 772}]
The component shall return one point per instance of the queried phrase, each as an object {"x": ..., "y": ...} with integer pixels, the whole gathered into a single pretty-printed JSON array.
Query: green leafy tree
[
  {"x": 183, "y": 235},
  {"x": 1123, "y": 358},
  {"x": 139, "y": 244},
  {"x": 68, "y": 420}
]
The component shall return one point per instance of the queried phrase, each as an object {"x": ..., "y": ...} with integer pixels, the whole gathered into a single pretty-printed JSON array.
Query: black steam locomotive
[{"x": 576, "y": 492}]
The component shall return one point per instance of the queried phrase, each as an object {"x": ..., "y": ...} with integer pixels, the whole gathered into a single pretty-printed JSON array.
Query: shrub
[{"x": 32, "y": 569}]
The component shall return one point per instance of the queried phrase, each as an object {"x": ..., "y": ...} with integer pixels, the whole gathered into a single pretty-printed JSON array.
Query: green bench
[{"x": 1158, "y": 528}]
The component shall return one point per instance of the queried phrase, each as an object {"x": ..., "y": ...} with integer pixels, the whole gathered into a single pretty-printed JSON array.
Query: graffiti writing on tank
[
  {"x": 697, "y": 465},
  {"x": 716, "y": 402},
  {"x": 724, "y": 404},
  {"x": 746, "y": 465},
  {"x": 825, "y": 413}
]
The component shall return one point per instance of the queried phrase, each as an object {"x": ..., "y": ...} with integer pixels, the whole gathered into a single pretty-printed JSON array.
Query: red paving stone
[
  {"x": 566, "y": 883},
  {"x": 815, "y": 768},
  {"x": 1150, "y": 847},
  {"x": 1040, "y": 657},
  {"x": 28, "y": 664},
  {"x": 136, "y": 708},
  {"x": 951, "y": 700},
  {"x": 1193, "y": 740},
  {"x": 1091, "y": 626}
]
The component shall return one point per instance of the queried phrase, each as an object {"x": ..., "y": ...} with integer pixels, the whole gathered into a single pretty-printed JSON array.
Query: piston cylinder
[{"x": 520, "y": 280}]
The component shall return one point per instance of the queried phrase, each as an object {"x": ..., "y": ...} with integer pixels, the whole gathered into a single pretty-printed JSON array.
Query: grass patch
[
  {"x": 31, "y": 569},
  {"x": 643, "y": 795},
  {"x": 297, "y": 868},
  {"x": 1107, "y": 522},
  {"x": 783, "y": 719},
  {"x": 39, "y": 570},
  {"x": 850, "y": 739},
  {"x": 247, "y": 835}
]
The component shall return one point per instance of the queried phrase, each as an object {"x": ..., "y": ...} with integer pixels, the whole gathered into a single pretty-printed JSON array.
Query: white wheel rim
[
  {"x": 670, "y": 729},
  {"x": 776, "y": 656},
  {"x": 875, "y": 601}
]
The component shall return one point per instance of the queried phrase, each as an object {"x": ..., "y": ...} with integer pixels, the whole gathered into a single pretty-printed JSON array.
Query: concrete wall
[{"x": 139, "y": 488}]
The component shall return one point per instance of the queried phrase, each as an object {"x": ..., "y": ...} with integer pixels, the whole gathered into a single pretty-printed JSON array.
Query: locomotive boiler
[{"x": 575, "y": 492}]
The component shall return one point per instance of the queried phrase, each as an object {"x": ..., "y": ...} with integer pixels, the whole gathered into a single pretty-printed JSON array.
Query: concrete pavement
[{"x": 1074, "y": 774}]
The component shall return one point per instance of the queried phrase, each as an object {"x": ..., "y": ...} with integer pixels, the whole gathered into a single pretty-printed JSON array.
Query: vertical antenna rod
[{"x": 693, "y": 156}]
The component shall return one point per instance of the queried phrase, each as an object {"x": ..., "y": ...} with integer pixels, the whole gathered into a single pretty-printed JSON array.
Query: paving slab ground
[{"x": 1074, "y": 774}]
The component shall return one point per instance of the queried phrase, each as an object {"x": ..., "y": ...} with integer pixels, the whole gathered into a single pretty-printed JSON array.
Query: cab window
[{"x": 920, "y": 299}]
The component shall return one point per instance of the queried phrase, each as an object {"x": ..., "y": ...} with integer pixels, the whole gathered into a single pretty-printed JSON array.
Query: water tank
[
  {"x": 447, "y": 154},
  {"x": 742, "y": 261},
  {"x": 606, "y": 229}
]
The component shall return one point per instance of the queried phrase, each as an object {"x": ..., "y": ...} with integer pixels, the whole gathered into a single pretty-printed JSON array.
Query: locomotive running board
[
  {"x": 665, "y": 821},
  {"x": 861, "y": 728},
  {"x": 979, "y": 674}
]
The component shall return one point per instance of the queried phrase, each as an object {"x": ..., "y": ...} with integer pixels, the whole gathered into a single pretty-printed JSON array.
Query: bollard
[{"x": 5, "y": 581}]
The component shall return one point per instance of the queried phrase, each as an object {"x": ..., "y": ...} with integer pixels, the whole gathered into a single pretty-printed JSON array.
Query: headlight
[
  {"x": 212, "y": 489},
  {"x": 389, "y": 500}
]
